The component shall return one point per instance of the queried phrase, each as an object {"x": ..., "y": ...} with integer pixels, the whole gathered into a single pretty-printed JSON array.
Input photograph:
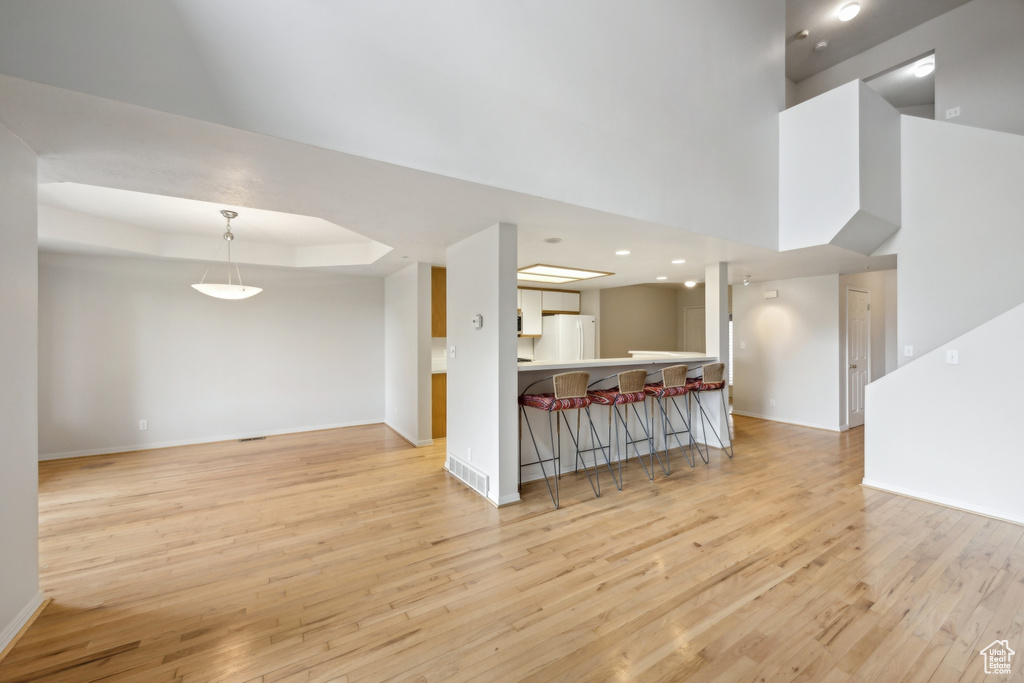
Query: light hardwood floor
[{"x": 346, "y": 555}]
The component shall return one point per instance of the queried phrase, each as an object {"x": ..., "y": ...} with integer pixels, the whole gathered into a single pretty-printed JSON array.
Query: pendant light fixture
[{"x": 229, "y": 290}]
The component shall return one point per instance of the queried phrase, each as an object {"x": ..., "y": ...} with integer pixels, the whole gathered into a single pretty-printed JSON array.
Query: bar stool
[
  {"x": 570, "y": 393},
  {"x": 672, "y": 386},
  {"x": 712, "y": 379},
  {"x": 628, "y": 393}
]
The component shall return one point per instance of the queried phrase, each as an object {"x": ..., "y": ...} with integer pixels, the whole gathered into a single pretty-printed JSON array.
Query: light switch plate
[
  {"x": 908, "y": 350},
  {"x": 451, "y": 351},
  {"x": 952, "y": 357}
]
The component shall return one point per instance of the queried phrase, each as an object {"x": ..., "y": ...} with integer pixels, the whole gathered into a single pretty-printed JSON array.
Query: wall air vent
[{"x": 468, "y": 475}]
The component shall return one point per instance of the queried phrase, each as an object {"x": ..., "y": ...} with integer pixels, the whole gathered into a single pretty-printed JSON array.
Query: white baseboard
[
  {"x": 418, "y": 443},
  {"x": 508, "y": 499},
  {"x": 770, "y": 418},
  {"x": 191, "y": 442},
  {"x": 12, "y": 629},
  {"x": 946, "y": 502}
]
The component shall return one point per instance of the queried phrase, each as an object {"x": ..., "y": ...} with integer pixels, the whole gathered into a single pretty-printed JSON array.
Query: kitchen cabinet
[
  {"x": 531, "y": 308},
  {"x": 557, "y": 301},
  {"x": 438, "y": 302},
  {"x": 438, "y": 405}
]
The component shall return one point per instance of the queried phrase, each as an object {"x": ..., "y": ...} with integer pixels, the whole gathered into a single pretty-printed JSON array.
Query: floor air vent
[{"x": 469, "y": 475}]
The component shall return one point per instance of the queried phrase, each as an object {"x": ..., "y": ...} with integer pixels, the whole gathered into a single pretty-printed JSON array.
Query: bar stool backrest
[
  {"x": 674, "y": 376},
  {"x": 632, "y": 381},
  {"x": 571, "y": 384},
  {"x": 713, "y": 372}
]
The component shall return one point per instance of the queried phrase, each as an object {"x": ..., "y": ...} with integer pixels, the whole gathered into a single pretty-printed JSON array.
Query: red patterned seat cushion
[
  {"x": 662, "y": 391},
  {"x": 549, "y": 403},
  {"x": 701, "y": 386},
  {"x": 607, "y": 397}
]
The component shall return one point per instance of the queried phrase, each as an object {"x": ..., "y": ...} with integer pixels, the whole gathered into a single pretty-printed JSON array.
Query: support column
[{"x": 716, "y": 340}]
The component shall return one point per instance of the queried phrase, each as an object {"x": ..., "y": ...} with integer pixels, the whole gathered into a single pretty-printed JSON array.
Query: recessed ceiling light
[
  {"x": 557, "y": 274},
  {"x": 923, "y": 69},
  {"x": 679, "y": 260},
  {"x": 821, "y": 46},
  {"x": 622, "y": 252},
  {"x": 661, "y": 277},
  {"x": 690, "y": 283},
  {"x": 849, "y": 11}
]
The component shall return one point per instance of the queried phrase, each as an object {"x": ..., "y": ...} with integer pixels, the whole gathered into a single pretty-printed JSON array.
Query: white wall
[
  {"x": 126, "y": 339},
  {"x": 961, "y": 242},
  {"x": 483, "y": 376},
  {"x": 979, "y": 56},
  {"x": 792, "y": 351},
  {"x": 947, "y": 433},
  {"x": 839, "y": 171},
  {"x": 407, "y": 351},
  {"x": 19, "y": 507},
  {"x": 591, "y": 102},
  {"x": 874, "y": 282}
]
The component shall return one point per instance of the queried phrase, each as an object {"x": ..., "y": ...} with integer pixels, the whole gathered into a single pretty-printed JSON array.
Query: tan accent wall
[{"x": 639, "y": 317}]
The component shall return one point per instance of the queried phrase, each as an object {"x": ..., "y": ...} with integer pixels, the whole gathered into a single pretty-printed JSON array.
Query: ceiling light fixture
[
  {"x": 557, "y": 275},
  {"x": 821, "y": 46},
  {"x": 746, "y": 280},
  {"x": 849, "y": 11},
  {"x": 923, "y": 69},
  {"x": 229, "y": 290},
  {"x": 679, "y": 260},
  {"x": 661, "y": 277},
  {"x": 690, "y": 283},
  {"x": 622, "y": 252}
]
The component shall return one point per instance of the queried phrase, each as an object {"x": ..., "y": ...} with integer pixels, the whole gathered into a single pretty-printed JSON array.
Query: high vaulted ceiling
[
  {"x": 877, "y": 22},
  {"x": 121, "y": 77}
]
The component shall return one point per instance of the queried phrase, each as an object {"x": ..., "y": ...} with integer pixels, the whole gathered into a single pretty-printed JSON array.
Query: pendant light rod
[{"x": 229, "y": 290}]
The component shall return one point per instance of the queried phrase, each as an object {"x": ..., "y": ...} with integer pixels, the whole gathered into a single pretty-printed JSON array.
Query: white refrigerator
[{"x": 566, "y": 337}]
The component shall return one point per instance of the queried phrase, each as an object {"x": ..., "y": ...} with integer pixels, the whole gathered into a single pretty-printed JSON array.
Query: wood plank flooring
[{"x": 346, "y": 555}]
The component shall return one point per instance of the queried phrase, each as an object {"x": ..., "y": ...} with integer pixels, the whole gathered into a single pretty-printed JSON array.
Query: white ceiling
[
  {"x": 878, "y": 21},
  {"x": 187, "y": 167}
]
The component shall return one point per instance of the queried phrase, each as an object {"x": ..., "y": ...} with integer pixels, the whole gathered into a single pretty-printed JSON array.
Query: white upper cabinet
[
  {"x": 561, "y": 302},
  {"x": 530, "y": 305}
]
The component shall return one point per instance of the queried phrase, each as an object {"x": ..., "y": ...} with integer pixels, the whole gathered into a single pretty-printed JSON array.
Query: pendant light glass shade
[
  {"x": 230, "y": 290},
  {"x": 226, "y": 291}
]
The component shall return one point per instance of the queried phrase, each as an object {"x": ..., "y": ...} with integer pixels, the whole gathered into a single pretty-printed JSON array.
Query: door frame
[{"x": 846, "y": 342}]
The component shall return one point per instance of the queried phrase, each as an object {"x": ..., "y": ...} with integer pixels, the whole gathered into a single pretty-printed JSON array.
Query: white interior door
[
  {"x": 858, "y": 352},
  {"x": 693, "y": 328}
]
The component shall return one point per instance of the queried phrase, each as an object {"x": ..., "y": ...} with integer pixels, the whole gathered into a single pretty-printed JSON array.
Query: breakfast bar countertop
[{"x": 692, "y": 358}]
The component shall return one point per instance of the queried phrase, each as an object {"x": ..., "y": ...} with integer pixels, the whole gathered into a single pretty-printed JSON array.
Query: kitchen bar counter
[{"x": 599, "y": 367}]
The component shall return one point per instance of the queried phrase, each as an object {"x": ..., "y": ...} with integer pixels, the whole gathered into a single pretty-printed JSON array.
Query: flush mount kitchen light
[
  {"x": 661, "y": 277},
  {"x": 557, "y": 274},
  {"x": 622, "y": 252},
  {"x": 690, "y": 283},
  {"x": 679, "y": 260},
  {"x": 848, "y": 11},
  {"x": 229, "y": 290},
  {"x": 924, "y": 68}
]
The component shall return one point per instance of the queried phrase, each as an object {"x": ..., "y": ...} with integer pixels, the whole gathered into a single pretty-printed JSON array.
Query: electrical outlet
[
  {"x": 743, "y": 345},
  {"x": 143, "y": 425},
  {"x": 953, "y": 112},
  {"x": 952, "y": 357},
  {"x": 771, "y": 402}
]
